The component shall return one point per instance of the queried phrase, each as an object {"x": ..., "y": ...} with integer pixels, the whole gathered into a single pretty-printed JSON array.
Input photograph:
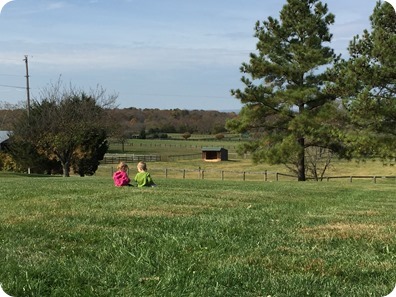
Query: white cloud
[{"x": 56, "y": 5}]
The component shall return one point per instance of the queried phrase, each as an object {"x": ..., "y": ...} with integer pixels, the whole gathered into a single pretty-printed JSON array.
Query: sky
[{"x": 164, "y": 54}]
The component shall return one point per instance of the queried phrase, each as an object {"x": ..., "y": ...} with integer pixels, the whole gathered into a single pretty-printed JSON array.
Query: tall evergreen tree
[
  {"x": 286, "y": 107},
  {"x": 367, "y": 84}
]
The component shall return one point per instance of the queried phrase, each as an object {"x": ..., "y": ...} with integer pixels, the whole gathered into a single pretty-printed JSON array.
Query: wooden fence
[
  {"x": 130, "y": 159},
  {"x": 199, "y": 156},
  {"x": 265, "y": 176},
  {"x": 116, "y": 158},
  {"x": 374, "y": 178},
  {"x": 216, "y": 174},
  {"x": 170, "y": 144}
]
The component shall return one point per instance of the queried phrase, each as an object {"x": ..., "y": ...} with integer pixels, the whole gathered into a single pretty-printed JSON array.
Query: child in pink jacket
[{"x": 121, "y": 177}]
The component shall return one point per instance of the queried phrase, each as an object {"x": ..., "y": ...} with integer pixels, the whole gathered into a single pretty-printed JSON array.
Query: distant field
[
  {"x": 176, "y": 146},
  {"x": 85, "y": 237},
  {"x": 236, "y": 163}
]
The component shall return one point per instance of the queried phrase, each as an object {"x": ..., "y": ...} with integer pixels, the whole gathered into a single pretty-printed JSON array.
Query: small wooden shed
[{"x": 214, "y": 154}]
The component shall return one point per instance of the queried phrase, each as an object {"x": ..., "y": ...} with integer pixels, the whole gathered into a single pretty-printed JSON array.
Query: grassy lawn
[{"x": 85, "y": 237}]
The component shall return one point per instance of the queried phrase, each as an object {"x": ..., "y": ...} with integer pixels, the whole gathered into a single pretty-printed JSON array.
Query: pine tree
[
  {"x": 286, "y": 107},
  {"x": 367, "y": 84}
]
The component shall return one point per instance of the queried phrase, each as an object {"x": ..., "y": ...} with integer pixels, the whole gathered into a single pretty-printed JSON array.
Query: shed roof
[
  {"x": 212, "y": 149},
  {"x": 4, "y": 135}
]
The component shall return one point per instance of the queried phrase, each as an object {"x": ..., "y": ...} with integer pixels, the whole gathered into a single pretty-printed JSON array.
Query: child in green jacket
[{"x": 143, "y": 178}]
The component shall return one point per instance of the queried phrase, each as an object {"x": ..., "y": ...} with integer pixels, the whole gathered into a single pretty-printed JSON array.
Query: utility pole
[
  {"x": 27, "y": 85},
  {"x": 27, "y": 92}
]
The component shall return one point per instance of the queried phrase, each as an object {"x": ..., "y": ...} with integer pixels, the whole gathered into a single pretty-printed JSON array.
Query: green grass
[
  {"x": 167, "y": 148},
  {"x": 233, "y": 170},
  {"x": 85, "y": 237}
]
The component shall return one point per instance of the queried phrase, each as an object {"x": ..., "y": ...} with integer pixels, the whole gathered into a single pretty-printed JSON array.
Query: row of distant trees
[
  {"x": 147, "y": 122},
  {"x": 68, "y": 129},
  {"x": 154, "y": 123},
  {"x": 302, "y": 102}
]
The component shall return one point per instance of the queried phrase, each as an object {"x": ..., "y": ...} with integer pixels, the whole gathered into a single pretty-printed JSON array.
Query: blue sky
[{"x": 153, "y": 53}]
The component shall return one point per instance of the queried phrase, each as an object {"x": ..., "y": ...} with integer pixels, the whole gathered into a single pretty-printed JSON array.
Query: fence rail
[
  {"x": 265, "y": 176},
  {"x": 130, "y": 158},
  {"x": 374, "y": 178},
  {"x": 116, "y": 158}
]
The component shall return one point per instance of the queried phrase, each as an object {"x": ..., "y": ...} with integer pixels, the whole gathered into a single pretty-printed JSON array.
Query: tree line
[
  {"x": 302, "y": 103},
  {"x": 134, "y": 122},
  {"x": 153, "y": 123},
  {"x": 69, "y": 128}
]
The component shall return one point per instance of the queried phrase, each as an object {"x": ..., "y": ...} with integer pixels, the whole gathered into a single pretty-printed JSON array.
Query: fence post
[
  {"x": 277, "y": 176},
  {"x": 222, "y": 175},
  {"x": 203, "y": 174},
  {"x": 375, "y": 179},
  {"x": 265, "y": 175},
  {"x": 244, "y": 176},
  {"x": 166, "y": 172},
  {"x": 184, "y": 173},
  {"x": 350, "y": 179}
]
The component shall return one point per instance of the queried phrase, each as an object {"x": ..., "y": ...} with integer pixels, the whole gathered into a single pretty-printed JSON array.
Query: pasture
[
  {"x": 191, "y": 237},
  {"x": 236, "y": 163}
]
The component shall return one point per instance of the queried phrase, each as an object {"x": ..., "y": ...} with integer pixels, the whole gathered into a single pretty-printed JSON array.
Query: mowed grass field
[{"x": 84, "y": 237}]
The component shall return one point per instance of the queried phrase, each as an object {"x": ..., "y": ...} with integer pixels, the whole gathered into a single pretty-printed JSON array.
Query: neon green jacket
[{"x": 144, "y": 179}]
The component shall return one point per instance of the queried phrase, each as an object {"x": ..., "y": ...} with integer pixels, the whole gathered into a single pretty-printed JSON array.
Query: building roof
[
  {"x": 4, "y": 135},
  {"x": 212, "y": 149}
]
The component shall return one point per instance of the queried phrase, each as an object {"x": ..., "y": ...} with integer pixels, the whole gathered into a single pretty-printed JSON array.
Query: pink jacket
[{"x": 121, "y": 178}]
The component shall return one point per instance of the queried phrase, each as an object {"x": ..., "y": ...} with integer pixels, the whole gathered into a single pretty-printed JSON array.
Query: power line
[
  {"x": 12, "y": 75},
  {"x": 7, "y": 59},
  {"x": 14, "y": 87}
]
